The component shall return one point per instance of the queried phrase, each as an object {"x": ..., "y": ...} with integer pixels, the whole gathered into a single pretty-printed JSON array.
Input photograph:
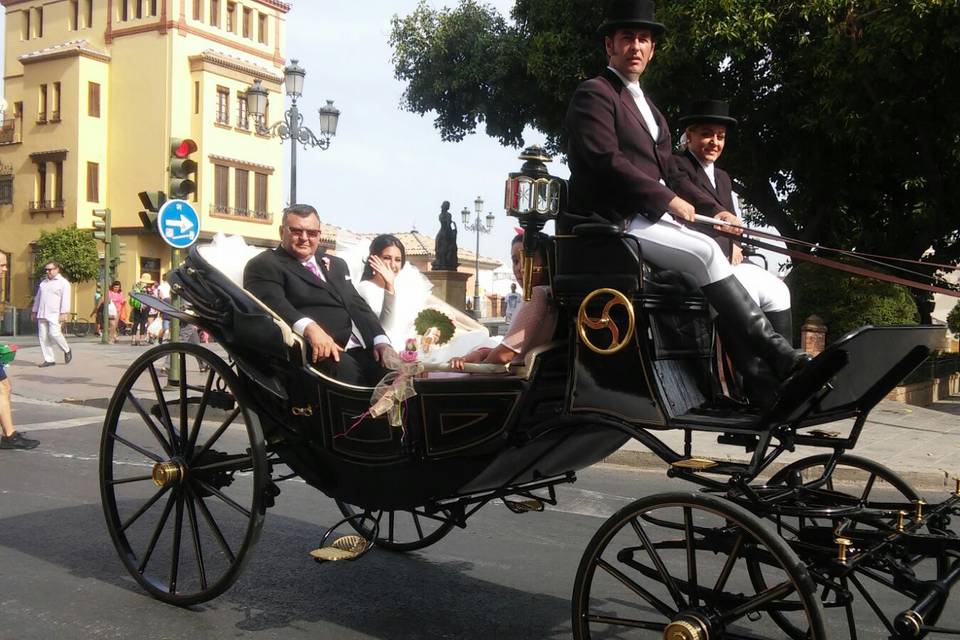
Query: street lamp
[
  {"x": 479, "y": 228},
  {"x": 292, "y": 126}
]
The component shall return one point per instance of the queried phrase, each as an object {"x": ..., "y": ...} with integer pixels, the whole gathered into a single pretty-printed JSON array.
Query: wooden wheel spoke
[
  {"x": 148, "y": 419},
  {"x": 175, "y": 554},
  {"x": 117, "y": 481},
  {"x": 873, "y": 605},
  {"x": 625, "y": 580},
  {"x": 416, "y": 523},
  {"x": 625, "y": 622},
  {"x": 668, "y": 580},
  {"x": 225, "y": 498},
  {"x": 219, "y": 432},
  {"x": 217, "y": 534},
  {"x": 759, "y": 601},
  {"x": 240, "y": 463},
  {"x": 195, "y": 535},
  {"x": 171, "y": 499},
  {"x": 201, "y": 412},
  {"x": 691, "y": 555},
  {"x": 728, "y": 565},
  {"x": 164, "y": 409},
  {"x": 136, "y": 447},
  {"x": 390, "y": 521},
  {"x": 143, "y": 509},
  {"x": 184, "y": 415}
]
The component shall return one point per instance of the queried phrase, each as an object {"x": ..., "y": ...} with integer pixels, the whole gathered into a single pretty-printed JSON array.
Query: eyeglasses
[
  {"x": 299, "y": 231},
  {"x": 49, "y": 268}
]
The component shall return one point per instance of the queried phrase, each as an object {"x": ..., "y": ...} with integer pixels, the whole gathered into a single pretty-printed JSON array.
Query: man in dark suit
[
  {"x": 622, "y": 170},
  {"x": 312, "y": 292}
]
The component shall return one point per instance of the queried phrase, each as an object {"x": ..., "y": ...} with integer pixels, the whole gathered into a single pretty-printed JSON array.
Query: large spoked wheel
[
  {"x": 182, "y": 474},
  {"x": 675, "y": 566},
  {"x": 855, "y": 481},
  {"x": 401, "y": 530}
]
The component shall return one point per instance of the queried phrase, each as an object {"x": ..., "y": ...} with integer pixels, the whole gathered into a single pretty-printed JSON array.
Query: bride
[{"x": 397, "y": 292}]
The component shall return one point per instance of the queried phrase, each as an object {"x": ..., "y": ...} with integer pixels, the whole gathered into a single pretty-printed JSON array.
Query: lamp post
[
  {"x": 292, "y": 126},
  {"x": 479, "y": 228}
]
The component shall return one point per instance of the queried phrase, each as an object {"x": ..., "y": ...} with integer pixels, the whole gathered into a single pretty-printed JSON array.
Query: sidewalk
[{"x": 920, "y": 443}]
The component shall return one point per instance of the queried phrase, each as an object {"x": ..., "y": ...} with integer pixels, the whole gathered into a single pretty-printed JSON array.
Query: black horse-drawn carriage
[{"x": 191, "y": 436}]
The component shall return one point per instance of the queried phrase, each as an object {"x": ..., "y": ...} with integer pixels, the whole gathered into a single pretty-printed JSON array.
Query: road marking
[{"x": 67, "y": 423}]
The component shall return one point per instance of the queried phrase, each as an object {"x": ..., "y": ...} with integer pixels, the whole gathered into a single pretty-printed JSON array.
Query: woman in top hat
[
  {"x": 622, "y": 169},
  {"x": 706, "y": 125}
]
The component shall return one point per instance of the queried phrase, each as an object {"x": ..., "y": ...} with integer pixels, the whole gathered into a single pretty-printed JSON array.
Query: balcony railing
[
  {"x": 10, "y": 131},
  {"x": 237, "y": 212},
  {"x": 46, "y": 206}
]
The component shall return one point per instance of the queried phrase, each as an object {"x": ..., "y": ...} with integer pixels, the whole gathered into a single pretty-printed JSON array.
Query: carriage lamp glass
[
  {"x": 532, "y": 190},
  {"x": 257, "y": 98},
  {"x": 293, "y": 75},
  {"x": 329, "y": 117}
]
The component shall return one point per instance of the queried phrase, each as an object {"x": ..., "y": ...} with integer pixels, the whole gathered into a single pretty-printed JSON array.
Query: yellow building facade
[{"x": 96, "y": 89}]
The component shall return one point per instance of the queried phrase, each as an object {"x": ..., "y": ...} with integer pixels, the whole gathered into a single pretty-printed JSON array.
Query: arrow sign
[{"x": 178, "y": 224}]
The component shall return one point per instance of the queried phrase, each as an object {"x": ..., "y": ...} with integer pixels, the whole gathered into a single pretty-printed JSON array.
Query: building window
[
  {"x": 5, "y": 283},
  {"x": 260, "y": 194},
  {"x": 240, "y": 200},
  {"x": 93, "y": 99},
  {"x": 38, "y": 22},
  {"x": 198, "y": 9},
  {"x": 93, "y": 182},
  {"x": 196, "y": 97},
  {"x": 42, "y": 104},
  {"x": 261, "y": 28},
  {"x": 58, "y": 181},
  {"x": 247, "y": 23},
  {"x": 243, "y": 121},
  {"x": 214, "y": 13},
  {"x": 221, "y": 188},
  {"x": 223, "y": 105},
  {"x": 74, "y": 15},
  {"x": 123, "y": 11},
  {"x": 138, "y": 12},
  {"x": 25, "y": 25},
  {"x": 55, "y": 103},
  {"x": 231, "y": 17},
  {"x": 41, "y": 185},
  {"x": 6, "y": 189},
  {"x": 89, "y": 6}
]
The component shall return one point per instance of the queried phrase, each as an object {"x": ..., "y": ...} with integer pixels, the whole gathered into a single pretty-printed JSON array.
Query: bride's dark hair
[{"x": 380, "y": 243}]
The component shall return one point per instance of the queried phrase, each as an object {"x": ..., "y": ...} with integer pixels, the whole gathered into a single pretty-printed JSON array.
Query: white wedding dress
[{"x": 412, "y": 294}]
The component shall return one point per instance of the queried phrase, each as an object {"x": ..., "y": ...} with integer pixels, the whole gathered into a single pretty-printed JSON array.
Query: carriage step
[
  {"x": 347, "y": 547},
  {"x": 695, "y": 464},
  {"x": 523, "y": 506}
]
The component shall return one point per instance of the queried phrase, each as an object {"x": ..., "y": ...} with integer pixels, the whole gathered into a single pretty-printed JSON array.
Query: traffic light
[
  {"x": 182, "y": 167},
  {"x": 102, "y": 229},
  {"x": 151, "y": 201},
  {"x": 116, "y": 255}
]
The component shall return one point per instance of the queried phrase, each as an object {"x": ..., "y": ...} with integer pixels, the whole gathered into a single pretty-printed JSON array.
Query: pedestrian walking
[
  {"x": 116, "y": 301},
  {"x": 10, "y": 438},
  {"x": 50, "y": 307},
  {"x": 139, "y": 314},
  {"x": 512, "y": 303}
]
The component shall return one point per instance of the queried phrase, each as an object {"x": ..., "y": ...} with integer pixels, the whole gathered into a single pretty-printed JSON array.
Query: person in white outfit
[{"x": 50, "y": 307}]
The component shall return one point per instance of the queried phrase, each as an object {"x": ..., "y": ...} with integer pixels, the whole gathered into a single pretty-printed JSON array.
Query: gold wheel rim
[{"x": 585, "y": 322}]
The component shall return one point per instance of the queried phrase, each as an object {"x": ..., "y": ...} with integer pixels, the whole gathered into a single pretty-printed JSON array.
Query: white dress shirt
[
  {"x": 53, "y": 298},
  {"x": 641, "y": 101},
  {"x": 356, "y": 339}
]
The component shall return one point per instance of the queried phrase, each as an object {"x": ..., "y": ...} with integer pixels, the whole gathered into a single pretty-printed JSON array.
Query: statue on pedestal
[{"x": 445, "y": 246}]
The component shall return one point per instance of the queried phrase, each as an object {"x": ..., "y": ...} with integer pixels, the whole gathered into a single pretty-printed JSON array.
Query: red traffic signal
[{"x": 182, "y": 147}]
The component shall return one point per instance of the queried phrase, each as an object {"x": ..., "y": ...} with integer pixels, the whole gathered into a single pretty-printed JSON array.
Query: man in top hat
[
  {"x": 622, "y": 170},
  {"x": 706, "y": 124}
]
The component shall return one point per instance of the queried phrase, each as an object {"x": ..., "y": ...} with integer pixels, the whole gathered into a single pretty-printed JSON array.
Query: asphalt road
[{"x": 505, "y": 576}]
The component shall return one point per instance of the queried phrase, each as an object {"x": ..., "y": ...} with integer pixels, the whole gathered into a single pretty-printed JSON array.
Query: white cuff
[
  {"x": 381, "y": 339},
  {"x": 300, "y": 325}
]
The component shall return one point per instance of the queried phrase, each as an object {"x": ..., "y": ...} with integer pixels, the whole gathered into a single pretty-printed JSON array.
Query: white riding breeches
[
  {"x": 767, "y": 290},
  {"x": 670, "y": 245}
]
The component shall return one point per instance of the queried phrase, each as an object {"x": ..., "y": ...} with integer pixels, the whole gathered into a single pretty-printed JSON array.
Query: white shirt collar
[
  {"x": 633, "y": 87},
  {"x": 708, "y": 168}
]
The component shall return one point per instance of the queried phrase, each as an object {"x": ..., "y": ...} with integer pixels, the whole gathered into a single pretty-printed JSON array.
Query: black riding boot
[
  {"x": 782, "y": 322},
  {"x": 757, "y": 382},
  {"x": 755, "y": 336}
]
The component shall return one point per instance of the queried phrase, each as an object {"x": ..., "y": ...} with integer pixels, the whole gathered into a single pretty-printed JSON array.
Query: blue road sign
[{"x": 178, "y": 224}]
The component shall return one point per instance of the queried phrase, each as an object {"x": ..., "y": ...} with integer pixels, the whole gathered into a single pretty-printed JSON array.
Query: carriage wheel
[
  {"x": 674, "y": 566},
  {"x": 859, "y": 481},
  {"x": 402, "y": 530},
  {"x": 183, "y": 472}
]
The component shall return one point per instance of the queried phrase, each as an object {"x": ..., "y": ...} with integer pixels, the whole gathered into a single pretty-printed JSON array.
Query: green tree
[
  {"x": 953, "y": 319},
  {"x": 846, "y": 302},
  {"x": 848, "y": 130},
  {"x": 73, "y": 249}
]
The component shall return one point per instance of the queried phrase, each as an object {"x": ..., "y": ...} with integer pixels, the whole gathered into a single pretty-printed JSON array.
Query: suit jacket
[
  {"x": 722, "y": 194},
  {"x": 286, "y": 286},
  {"x": 615, "y": 164}
]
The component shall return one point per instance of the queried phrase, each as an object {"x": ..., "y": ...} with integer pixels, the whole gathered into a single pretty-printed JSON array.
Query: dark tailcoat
[
  {"x": 293, "y": 292},
  {"x": 722, "y": 194},
  {"x": 615, "y": 164}
]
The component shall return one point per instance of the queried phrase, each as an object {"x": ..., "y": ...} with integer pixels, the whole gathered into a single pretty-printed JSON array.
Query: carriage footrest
[
  {"x": 523, "y": 506},
  {"x": 348, "y": 547}
]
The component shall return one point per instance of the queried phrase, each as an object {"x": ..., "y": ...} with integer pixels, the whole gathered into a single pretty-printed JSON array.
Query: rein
[{"x": 750, "y": 236}]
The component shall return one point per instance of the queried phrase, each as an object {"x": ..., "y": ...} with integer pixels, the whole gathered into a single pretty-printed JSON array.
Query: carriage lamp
[
  {"x": 532, "y": 196},
  {"x": 843, "y": 544}
]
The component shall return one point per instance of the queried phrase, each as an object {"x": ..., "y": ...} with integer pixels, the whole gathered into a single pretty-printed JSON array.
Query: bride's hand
[
  {"x": 379, "y": 267},
  {"x": 457, "y": 363}
]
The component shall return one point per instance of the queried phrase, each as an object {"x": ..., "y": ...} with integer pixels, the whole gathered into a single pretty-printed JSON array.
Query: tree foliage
[
  {"x": 73, "y": 249},
  {"x": 848, "y": 133},
  {"x": 846, "y": 302},
  {"x": 953, "y": 319}
]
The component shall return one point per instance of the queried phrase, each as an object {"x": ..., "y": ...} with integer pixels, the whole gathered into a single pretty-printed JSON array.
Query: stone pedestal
[
  {"x": 813, "y": 335},
  {"x": 450, "y": 286}
]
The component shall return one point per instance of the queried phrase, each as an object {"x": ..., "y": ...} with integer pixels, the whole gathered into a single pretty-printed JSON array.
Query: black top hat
[
  {"x": 708, "y": 111},
  {"x": 631, "y": 13}
]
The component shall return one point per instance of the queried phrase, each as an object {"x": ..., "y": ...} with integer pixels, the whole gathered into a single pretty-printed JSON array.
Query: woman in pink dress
[{"x": 116, "y": 300}]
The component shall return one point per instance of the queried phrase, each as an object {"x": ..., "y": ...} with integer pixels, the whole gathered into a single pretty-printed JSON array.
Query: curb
[{"x": 649, "y": 461}]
